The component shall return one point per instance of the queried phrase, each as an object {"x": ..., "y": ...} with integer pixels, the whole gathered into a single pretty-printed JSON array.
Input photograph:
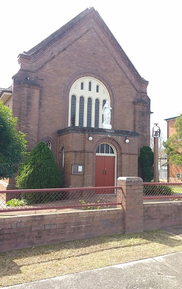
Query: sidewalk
[{"x": 153, "y": 273}]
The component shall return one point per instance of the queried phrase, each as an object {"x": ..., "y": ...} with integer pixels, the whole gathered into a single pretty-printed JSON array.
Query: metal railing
[
  {"x": 41, "y": 199},
  {"x": 172, "y": 191}
]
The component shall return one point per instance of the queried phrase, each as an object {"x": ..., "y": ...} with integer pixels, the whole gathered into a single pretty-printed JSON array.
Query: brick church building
[{"x": 61, "y": 92}]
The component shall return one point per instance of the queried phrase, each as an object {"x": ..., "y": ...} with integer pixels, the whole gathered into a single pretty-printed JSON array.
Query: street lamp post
[{"x": 156, "y": 134}]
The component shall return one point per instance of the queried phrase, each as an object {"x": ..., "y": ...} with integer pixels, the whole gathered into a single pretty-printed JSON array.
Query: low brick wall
[
  {"x": 162, "y": 215},
  {"x": 132, "y": 216},
  {"x": 32, "y": 230}
]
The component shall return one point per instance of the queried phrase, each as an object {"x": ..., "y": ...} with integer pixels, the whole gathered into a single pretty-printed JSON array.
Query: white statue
[{"x": 107, "y": 116}]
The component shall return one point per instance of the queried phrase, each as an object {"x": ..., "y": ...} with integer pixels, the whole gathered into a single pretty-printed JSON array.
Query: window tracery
[{"x": 86, "y": 100}]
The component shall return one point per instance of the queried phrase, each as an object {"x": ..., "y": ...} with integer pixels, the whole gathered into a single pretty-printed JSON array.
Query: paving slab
[{"x": 153, "y": 273}]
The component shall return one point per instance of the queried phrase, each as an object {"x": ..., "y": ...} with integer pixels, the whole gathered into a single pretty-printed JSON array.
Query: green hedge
[
  {"x": 157, "y": 190},
  {"x": 38, "y": 172}
]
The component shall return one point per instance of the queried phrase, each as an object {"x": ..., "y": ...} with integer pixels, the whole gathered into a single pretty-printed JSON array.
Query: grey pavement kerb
[{"x": 153, "y": 273}]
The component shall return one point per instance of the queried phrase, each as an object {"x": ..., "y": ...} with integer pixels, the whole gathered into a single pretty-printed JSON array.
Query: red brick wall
[
  {"x": 132, "y": 203},
  {"x": 170, "y": 127},
  {"x": 133, "y": 216},
  {"x": 79, "y": 150},
  {"x": 26, "y": 231},
  {"x": 162, "y": 215},
  {"x": 173, "y": 170}
]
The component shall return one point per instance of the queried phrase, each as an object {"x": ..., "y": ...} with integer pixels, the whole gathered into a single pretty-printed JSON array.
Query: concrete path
[{"x": 164, "y": 272}]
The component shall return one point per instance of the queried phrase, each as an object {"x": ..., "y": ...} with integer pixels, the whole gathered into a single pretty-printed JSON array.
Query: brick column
[{"x": 132, "y": 202}]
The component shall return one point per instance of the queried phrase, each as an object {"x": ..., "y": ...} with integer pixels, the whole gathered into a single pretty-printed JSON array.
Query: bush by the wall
[
  {"x": 16, "y": 203},
  {"x": 157, "y": 190},
  {"x": 40, "y": 171},
  {"x": 146, "y": 161}
]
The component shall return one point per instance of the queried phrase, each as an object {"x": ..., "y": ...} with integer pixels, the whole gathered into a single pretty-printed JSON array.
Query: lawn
[
  {"x": 177, "y": 189},
  {"x": 25, "y": 265}
]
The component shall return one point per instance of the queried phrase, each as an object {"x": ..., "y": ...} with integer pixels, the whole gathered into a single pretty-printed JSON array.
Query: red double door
[{"x": 105, "y": 171}]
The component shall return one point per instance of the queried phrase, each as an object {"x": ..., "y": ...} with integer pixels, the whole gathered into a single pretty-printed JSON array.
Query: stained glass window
[
  {"x": 89, "y": 112},
  {"x": 90, "y": 86},
  {"x": 81, "y": 111},
  {"x": 96, "y": 113},
  {"x": 73, "y": 109}
]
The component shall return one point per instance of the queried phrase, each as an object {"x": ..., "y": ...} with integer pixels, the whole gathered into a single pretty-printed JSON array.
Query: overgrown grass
[
  {"x": 176, "y": 190},
  {"x": 37, "y": 263}
]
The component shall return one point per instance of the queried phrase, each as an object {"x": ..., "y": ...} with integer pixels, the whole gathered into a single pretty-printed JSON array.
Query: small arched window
[
  {"x": 48, "y": 144},
  {"x": 104, "y": 148}
]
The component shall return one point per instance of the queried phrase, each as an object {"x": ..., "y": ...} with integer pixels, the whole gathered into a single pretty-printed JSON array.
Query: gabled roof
[
  {"x": 60, "y": 33},
  {"x": 3, "y": 90},
  {"x": 173, "y": 117}
]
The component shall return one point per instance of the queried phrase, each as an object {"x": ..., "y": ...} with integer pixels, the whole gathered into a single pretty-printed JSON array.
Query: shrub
[
  {"x": 40, "y": 171},
  {"x": 146, "y": 161},
  {"x": 91, "y": 207},
  {"x": 16, "y": 203},
  {"x": 157, "y": 190}
]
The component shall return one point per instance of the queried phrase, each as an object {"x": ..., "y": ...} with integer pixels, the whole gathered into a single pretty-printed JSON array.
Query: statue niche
[{"x": 106, "y": 116}]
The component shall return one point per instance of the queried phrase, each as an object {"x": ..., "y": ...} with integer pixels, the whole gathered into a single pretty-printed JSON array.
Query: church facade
[{"x": 78, "y": 91}]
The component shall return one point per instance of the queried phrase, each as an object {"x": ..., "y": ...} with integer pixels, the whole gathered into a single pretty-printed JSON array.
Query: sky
[{"x": 149, "y": 31}]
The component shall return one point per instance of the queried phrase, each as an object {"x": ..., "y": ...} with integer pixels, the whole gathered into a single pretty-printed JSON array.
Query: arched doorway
[{"x": 105, "y": 165}]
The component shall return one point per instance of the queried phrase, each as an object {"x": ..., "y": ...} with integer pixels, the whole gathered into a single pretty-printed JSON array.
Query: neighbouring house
[
  {"x": 78, "y": 91},
  {"x": 163, "y": 165},
  {"x": 174, "y": 172}
]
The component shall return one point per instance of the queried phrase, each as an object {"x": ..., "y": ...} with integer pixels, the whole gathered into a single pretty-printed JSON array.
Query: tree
[
  {"x": 12, "y": 143},
  {"x": 173, "y": 145},
  {"x": 146, "y": 160},
  {"x": 39, "y": 170}
]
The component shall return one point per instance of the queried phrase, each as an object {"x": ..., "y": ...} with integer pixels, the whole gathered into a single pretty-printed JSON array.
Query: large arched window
[{"x": 87, "y": 97}]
